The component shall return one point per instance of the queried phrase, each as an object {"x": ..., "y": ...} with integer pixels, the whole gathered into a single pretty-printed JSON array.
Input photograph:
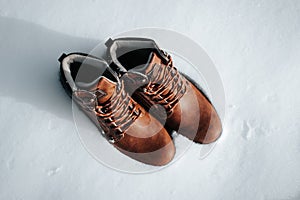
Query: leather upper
[{"x": 150, "y": 76}]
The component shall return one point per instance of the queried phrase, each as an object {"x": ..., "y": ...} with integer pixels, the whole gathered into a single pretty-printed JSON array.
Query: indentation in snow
[
  {"x": 53, "y": 171},
  {"x": 270, "y": 98},
  {"x": 10, "y": 163},
  {"x": 246, "y": 130}
]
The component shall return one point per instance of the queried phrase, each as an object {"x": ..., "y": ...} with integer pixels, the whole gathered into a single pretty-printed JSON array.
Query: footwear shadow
[{"x": 29, "y": 65}]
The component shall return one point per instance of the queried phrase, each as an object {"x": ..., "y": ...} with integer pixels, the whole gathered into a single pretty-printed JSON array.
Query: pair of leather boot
[{"x": 136, "y": 97}]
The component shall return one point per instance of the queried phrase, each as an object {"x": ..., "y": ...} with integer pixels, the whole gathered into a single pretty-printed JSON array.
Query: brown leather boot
[
  {"x": 125, "y": 124},
  {"x": 149, "y": 75}
]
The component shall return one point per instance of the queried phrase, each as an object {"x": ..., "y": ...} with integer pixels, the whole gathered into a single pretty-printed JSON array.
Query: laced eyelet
[
  {"x": 130, "y": 107},
  {"x": 108, "y": 120},
  {"x": 103, "y": 110},
  {"x": 113, "y": 125},
  {"x": 137, "y": 112},
  {"x": 111, "y": 139}
]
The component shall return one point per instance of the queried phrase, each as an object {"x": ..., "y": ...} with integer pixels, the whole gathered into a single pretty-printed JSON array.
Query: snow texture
[{"x": 255, "y": 46}]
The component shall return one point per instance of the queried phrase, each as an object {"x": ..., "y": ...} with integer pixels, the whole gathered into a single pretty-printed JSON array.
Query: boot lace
[
  {"x": 167, "y": 85},
  {"x": 115, "y": 115}
]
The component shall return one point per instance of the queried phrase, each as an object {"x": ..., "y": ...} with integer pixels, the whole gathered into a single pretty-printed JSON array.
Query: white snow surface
[{"x": 255, "y": 46}]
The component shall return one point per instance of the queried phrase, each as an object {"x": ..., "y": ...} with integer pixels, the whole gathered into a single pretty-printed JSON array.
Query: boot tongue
[
  {"x": 104, "y": 89},
  {"x": 147, "y": 67}
]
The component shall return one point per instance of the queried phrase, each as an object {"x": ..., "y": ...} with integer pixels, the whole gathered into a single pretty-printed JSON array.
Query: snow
[{"x": 255, "y": 46}]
